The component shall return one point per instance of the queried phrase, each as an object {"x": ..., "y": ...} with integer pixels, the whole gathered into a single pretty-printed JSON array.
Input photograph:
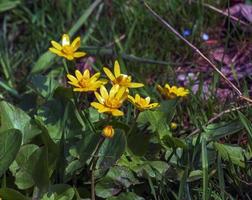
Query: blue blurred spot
[{"x": 186, "y": 32}]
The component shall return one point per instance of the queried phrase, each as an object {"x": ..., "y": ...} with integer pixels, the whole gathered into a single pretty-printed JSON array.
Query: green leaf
[
  {"x": 157, "y": 121},
  {"x": 133, "y": 142},
  {"x": 40, "y": 162},
  {"x": 10, "y": 142},
  {"x": 45, "y": 60},
  {"x": 126, "y": 196},
  {"x": 50, "y": 114},
  {"x": 8, "y": 4},
  {"x": 217, "y": 131},
  {"x": 247, "y": 125},
  {"x": 112, "y": 149},
  {"x": 205, "y": 166},
  {"x": 44, "y": 85},
  {"x": 10, "y": 194},
  {"x": 231, "y": 153},
  {"x": 116, "y": 178},
  {"x": 15, "y": 118},
  {"x": 19, "y": 168}
]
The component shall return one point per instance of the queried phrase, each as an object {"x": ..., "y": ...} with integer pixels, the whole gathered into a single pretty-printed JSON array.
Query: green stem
[
  {"x": 65, "y": 66},
  {"x": 93, "y": 163},
  {"x": 134, "y": 123}
]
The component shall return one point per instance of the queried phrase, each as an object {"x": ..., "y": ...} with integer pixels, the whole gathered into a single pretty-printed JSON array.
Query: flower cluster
[{"x": 109, "y": 102}]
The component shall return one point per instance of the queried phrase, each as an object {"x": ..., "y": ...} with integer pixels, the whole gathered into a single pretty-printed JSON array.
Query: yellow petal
[
  {"x": 120, "y": 92},
  {"x": 117, "y": 70},
  {"x": 86, "y": 74},
  {"x": 153, "y": 105},
  {"x": 56, "y": 45},
  {"x": 76, "y": 43},
  {"x": 135, "y": 85},
  {"x": 79, "y": 54},
  {"x": 56, "y": 51},
  {"x": 95, "y": 76},
  {"x": 72, "y": 78},
  {"x": 116, "y": 112},
  {"x": 103, "y": 81},
  {"x": 137, "y": 98},
  {"x": 97, "y": 105},
  {"x": 65, "y": 40},
  {"x": 80, "y": 90},
  {"x": 147, "y": 99},
  {"x": 113, "y": 91},
  {"x": 104, "y": 92},
  {"x": 99, "y": 98},
  {"x": 131, "y": 99},
  {"x": 78, "y": 75},
  {"x": 108, "y": 73},
  {"x": 68, "y": 57}
]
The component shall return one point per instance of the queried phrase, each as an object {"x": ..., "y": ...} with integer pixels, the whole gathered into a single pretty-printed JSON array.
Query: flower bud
[
  {"x": 108, "y": 132},
  {"x": 174, "y": 125}
]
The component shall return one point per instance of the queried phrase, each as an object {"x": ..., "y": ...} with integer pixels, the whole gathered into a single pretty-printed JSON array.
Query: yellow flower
[
  {"x": 67, "y": 49},
  {"x": 120, "y": 79},
  {"x": 112, "y": 101},
  {"x": 174, "y": 125},
  {"x": 173, "y": 92},
  {"x": 141, "y": 103},
  {"x": 84, "y": 83},
  {"x": 108, "y": 132}
]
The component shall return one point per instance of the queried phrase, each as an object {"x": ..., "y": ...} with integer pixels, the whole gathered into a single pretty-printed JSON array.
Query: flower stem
[{"x": 93, "y": 165}]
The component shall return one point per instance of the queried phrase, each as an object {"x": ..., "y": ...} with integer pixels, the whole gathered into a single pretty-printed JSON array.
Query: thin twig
[
  {"x": 167, "y": 25},
  {"x": 218, "y": 116},
  {"x": 225, "y": 13}
]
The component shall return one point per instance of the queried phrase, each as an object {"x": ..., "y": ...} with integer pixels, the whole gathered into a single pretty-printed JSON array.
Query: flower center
[
  {"x": 123, "y": 80},
  {"x": 113, "y": 103},
  {"x": 67, "y": 49},
  {"x": 83, "y": 83}
]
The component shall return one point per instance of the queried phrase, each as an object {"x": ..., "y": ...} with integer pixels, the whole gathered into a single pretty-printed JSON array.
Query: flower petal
[
  {"x": 131, "y": 99},
  {"x": 109, "y": 73},
  {"x": 135, "y": 85},
  {"x": 104, "y": 92},
  {"x": 99, "y": 98},
  {"x": 56, "y": 51},
  {"x": 95, "y": 76},
  {"x": 79, "y": 54},
  {"x": 72, "y": 78},
  {"x": 56, "y": 45},
  {"x": 97, "y": 105},
  {"x": 117, "y": 70},
  {"x": 86, "y": 74},
  {"x": 116, "y": 112},
  {"x": 113, "y": 91},
  {"x": 65, "y": 40},
  {"x": 153, "y": 105},
  {"x": 137, "y": 98},
  {"x": 147, "y": 99},
  {"x": 76, "y": 43},
  {"x": 120, "y": 92},
  {"x": 78, "y": 75}
]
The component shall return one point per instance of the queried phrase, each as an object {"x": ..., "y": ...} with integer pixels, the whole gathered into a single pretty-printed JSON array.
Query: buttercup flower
[
  {"x": 108, "y": 132},
  {"x": 141, "y": 103},
  {"x": 120, "y": 79},
  {"x": 67, "y": 49},
  {"x": 112, "y": 101},
  {"x": 173, "y": 92},
  {"x": 84, "y": 83}
]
